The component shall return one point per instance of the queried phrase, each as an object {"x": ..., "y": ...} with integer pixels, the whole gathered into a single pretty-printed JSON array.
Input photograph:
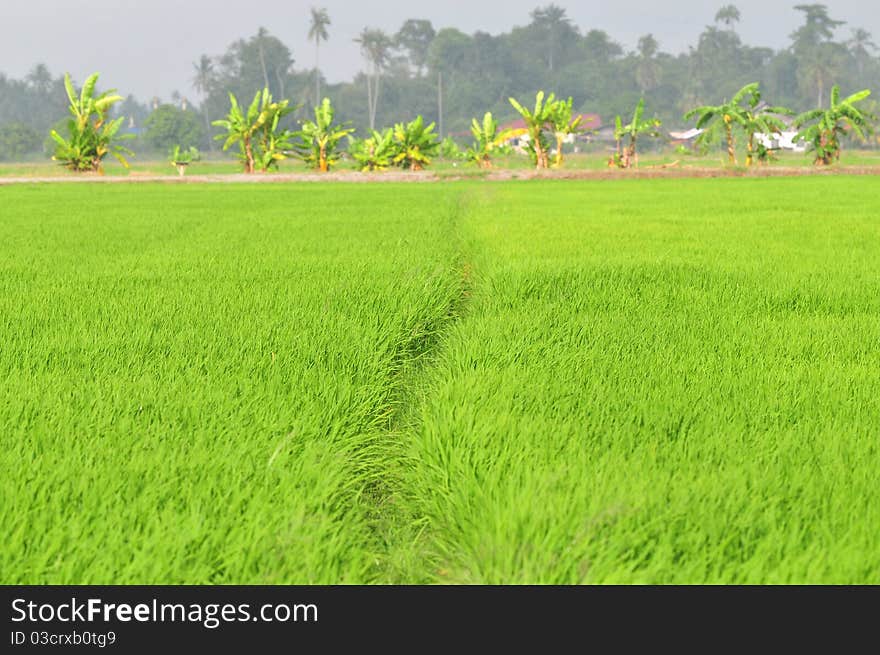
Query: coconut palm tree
[
  {"x": 647, "y": 69},
  {"x": 823, "y": 128},
  {"x": 376, "y": 48},
  {"x": 204, "y": 75},
  {"x": 40, "y": 78},
  {"x": 317, "y": 33},
  {"x": 553, "y": 21},
  {"x": 726, "y": 115},
  {"x": 728, "y": 15},
  {"x": 862, "y": 47},
  {"x": 202, "y": 82}
]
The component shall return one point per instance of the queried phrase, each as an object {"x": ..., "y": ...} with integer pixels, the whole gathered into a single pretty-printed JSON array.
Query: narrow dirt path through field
[{"x": 396, "y": 529}]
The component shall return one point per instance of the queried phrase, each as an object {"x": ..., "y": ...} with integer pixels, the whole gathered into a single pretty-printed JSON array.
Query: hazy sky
[{"x": 147, "y": 47}]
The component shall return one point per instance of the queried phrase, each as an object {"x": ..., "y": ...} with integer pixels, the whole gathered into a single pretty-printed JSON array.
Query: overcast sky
[{"x": 147, "y": 47}]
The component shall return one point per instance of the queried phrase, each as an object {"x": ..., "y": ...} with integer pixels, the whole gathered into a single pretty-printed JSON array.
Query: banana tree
[
  {"x": 486, "y": 140},
  {"x": 91, "y": 135},
  {"x": 415, "y": 144},
  {"x": 373, "y": 153},
  {"x": 627, "y": 156},
  {"x": 758, "y": 119},
  {"x": 825, "y": 127},
  {"x": 320, "y": 138},
  {"x": 536, "y": 122},
  {"x": 727, "y": 115},
  {"x": 182, "y": 157},
  {"x": 257, "y": 131},
  {"x": 565, "y": 125}
]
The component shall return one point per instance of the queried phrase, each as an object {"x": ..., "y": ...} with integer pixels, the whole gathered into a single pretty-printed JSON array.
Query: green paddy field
[{"x": 551, "y": 381}]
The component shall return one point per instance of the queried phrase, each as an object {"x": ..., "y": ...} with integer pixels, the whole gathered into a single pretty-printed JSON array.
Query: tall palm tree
[
  {"x": 318, "y": 33},
  {"x": 728, "y": 15},
  {"x": 553, "y": 20},
  {"x": 861, "y": 46},
  {"x": 262, "y": 33},
  {"x": 40, "y": 78},
  {"x": 376, "y": 48},
  {"x": 202, "y": 81},
  {"x": 204, "y": 75},
  {"x": 647, "y": 70},
  {"x": 726, "y": 115},
  {"x": 819, "y": 66}
]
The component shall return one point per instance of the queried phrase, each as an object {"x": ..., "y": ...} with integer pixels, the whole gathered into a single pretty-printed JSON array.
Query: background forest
[{"x": 450, "y": 77}]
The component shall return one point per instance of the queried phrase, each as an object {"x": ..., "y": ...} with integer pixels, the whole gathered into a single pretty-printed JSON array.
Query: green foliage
[
  {"x": 91, "y": 135},
  {"x": 487, "y": 140},
  {"x": 727, "y": 116},
  {"x": 758, "y": 118},
  {"x": 415, "y": 144},
  {"x": 375, "y": 153},
  {"x": 627, "y": 156},
  {"x": 170, "y": 125},
  {"x": 823, "y": 129},
  {"x": 319, "y": 138},
  {"x": 18, "y": 140},
  {"x": 262, "y": 142},
  {"x": 181, "y": 157},
  {"x": 449, "y": 150},
  {"x": 565, "y": 124},
  {"x": 537, "y": 120}
]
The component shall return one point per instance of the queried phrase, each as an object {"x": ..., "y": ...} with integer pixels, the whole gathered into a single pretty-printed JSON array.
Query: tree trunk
[
  {"x": 263, "y": 65},
  {"x": 559, "y": 156},
  {"x": 633, "y": 159},
  {"x": 370, "y": 102},
  {"x": 249, "y": 165},
  {"x": 440, "y": 102},
  {"x": 750, "y": 148},
  {"x": 317, "y": 73},
  {"x": 731, "y": 150},
  {"x": 376, "y": 93},
  {"x": 322, "y": 160}
]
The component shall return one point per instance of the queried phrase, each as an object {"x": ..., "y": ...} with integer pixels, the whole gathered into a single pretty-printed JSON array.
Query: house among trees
[
  {"x": 519, "y": 136},
  {"x": 784, "y": 140}
]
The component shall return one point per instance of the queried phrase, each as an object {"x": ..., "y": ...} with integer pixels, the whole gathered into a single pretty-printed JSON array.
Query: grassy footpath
[
  {"x": 659, "y": 382},
  {"x": 196, "y": 382},
  {"x": 545, "y": 382}
]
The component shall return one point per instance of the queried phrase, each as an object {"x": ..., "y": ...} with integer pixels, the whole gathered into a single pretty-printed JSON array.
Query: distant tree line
[{"x": 449, "y": 77}]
